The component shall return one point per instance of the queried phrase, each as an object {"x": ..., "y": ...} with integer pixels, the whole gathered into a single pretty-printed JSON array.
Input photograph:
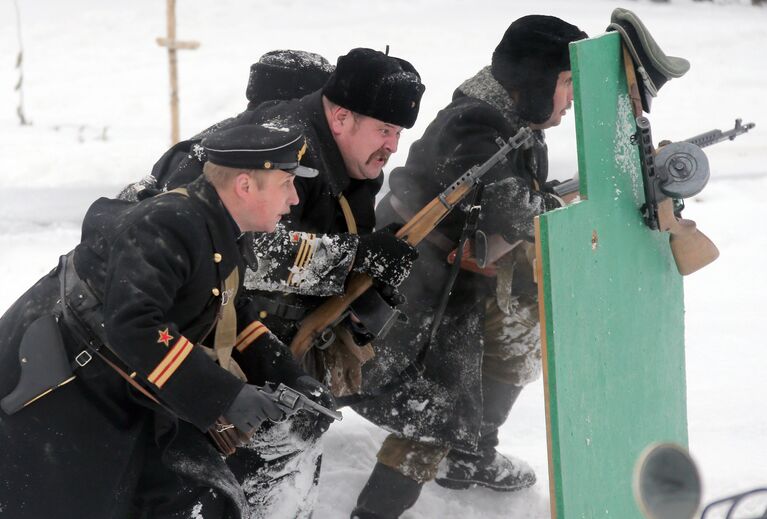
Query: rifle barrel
[{"x": 717, "y": 136}]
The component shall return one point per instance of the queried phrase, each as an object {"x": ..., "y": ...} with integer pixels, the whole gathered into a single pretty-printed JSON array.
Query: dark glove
[
  {"x": 391, "y": 295},
  {"x": 319, "y": 393},
  {"x": 384, "y": 257},
  {"x": 250, "y": 408}
]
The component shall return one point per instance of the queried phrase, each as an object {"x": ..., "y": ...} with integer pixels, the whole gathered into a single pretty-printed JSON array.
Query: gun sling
[{"x": 415, "y": 369}]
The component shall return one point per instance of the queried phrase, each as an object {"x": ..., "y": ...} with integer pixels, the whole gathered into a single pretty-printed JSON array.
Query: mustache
[{"x": 379, "y": 154}]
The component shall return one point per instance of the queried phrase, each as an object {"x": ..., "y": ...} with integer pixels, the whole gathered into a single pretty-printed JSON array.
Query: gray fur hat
[{"x": 286, "y": 74}]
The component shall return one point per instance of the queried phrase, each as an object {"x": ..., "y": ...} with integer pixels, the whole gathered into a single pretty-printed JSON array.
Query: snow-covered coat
[
  {"x": 154, "y": 266},
  {"x": 317, "y": 210},
  {"x": 317, "y": 214},
  {"x": 445, "y": 406}
]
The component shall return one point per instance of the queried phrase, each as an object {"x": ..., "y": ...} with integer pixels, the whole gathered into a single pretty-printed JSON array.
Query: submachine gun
[
  {"x": 333, "y": 309},
  {"x": 673, "y": 172},
  {"x": 676, "y": 170},
  {"x": 680, "y": 171}
]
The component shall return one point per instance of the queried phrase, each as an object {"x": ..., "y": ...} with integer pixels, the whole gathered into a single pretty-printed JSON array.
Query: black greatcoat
[
  {"x": 80, "y": 451},
  {"x": 445, "y": 406},
  {"x": 318, "y": 210}
]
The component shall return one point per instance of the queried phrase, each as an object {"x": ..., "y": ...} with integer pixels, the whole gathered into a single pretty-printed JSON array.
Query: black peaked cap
[
  {"x": 371, "y": 83},
  {"x": 252, "y": 146},
  {"x": 653, "y": 67}
]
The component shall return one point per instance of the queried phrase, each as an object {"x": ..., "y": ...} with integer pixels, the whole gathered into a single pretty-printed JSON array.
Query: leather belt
[{"x": 279, "y": 309}]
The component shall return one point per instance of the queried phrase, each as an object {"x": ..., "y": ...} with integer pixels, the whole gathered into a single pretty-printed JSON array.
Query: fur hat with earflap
[{"x": 528, "y": 60}]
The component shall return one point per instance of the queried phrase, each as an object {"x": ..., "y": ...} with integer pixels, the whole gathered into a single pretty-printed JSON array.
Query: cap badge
[{"x": 302, "y": 150}]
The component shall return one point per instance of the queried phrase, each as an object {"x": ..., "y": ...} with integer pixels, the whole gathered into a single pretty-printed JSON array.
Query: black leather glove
[
  {"x": 319, "y": 393},
  {"x": 384, "y": 257},
  {"x": 250, "y": 408},
  {"x": 391, "y": 295}
]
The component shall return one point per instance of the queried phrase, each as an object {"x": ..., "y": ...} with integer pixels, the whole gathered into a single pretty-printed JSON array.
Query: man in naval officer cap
[
  {"x": 352, "y": 125},
  {"x": 122, "y": 329},
  {"x": 352, "y": 117}
]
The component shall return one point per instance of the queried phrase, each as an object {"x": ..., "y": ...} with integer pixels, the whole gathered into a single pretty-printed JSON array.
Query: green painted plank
[{"x": 612, "y": 308}]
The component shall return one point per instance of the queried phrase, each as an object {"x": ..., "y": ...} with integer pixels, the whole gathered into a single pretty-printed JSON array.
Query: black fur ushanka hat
[
  {"x": 375, "y": 84},
  {"x": 528, "y": 60},
  {"x": 286, "y": 74}
]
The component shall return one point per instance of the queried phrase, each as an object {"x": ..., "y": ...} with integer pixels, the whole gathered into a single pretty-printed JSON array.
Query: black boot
[
  {"x": 487, "y": 467},
  {"x": 490, "y": 469},
  {"x": 386, "y": 494}
]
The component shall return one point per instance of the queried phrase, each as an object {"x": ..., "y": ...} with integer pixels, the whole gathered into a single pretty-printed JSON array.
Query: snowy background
[{"x": 96, "y": 92}]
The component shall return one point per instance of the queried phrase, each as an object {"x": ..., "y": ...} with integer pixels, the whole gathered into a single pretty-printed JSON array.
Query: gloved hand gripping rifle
[{"x": 413, "y": 232}]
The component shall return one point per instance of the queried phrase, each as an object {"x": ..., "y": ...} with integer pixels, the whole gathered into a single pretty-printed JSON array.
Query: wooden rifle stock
[
  {"x": 333, "y": 308},
  {"x": 415, "y": 230},
  {"x": 692, "y": 250}
]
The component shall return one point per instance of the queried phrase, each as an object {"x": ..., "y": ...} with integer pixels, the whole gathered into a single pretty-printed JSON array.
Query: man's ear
[
  {"x": 339, "y": 117},
  {"x": 243, "y": 185}
]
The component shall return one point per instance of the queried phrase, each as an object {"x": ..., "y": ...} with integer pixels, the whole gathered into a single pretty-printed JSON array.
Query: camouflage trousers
[
  {"x": 512, "y": 356},
  {"x": 512, "y": 352}
]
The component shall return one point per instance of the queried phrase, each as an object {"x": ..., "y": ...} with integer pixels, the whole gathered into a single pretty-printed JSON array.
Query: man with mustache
[
  {"x": 487, "y": 347},
  {"x": 352, "y": 125}
]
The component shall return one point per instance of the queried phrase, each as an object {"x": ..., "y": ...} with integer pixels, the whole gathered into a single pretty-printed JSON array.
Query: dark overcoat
[
  {"x": 318, "y": 211},
  {"x": 445, "y": 405},
  {"x": 84, "y": 449}
]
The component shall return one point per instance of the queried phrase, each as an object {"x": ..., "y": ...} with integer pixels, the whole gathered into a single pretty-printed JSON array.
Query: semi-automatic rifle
[
  {"x": 415, "y": 230},
  {"x": 676, "y": 170}
]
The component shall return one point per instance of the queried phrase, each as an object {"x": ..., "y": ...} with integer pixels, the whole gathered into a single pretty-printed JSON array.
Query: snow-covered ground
[{"x": 96, "y": 91}]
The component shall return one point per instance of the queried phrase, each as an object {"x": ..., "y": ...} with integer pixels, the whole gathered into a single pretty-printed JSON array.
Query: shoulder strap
[
  {"x": 226, "y": 322},
  {"x": 351, "y": 224}
]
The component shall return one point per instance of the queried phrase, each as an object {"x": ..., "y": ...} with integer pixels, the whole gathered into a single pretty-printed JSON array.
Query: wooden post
[{"x": 172, "y": 45}]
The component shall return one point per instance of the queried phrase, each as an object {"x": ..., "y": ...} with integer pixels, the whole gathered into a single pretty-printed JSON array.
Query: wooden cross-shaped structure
[{"x": 173, "y": 45}]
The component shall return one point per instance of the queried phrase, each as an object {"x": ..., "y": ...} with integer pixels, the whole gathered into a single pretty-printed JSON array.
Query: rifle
[
  {"x": 570, "y": 186},
  {"x": 413, "y": 232},
  {"x": 691, "y": 248},
  {"x": 717, "y": 136},
  {"x": 672, "y": 172},
  {"x": 481, "y": 253}
]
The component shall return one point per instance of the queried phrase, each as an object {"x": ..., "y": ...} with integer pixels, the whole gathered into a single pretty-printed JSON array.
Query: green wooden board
[{"x": 612, "y": 308}]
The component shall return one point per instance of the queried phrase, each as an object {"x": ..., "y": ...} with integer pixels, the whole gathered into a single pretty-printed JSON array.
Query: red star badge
[{"x": 165, "y": 337}]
